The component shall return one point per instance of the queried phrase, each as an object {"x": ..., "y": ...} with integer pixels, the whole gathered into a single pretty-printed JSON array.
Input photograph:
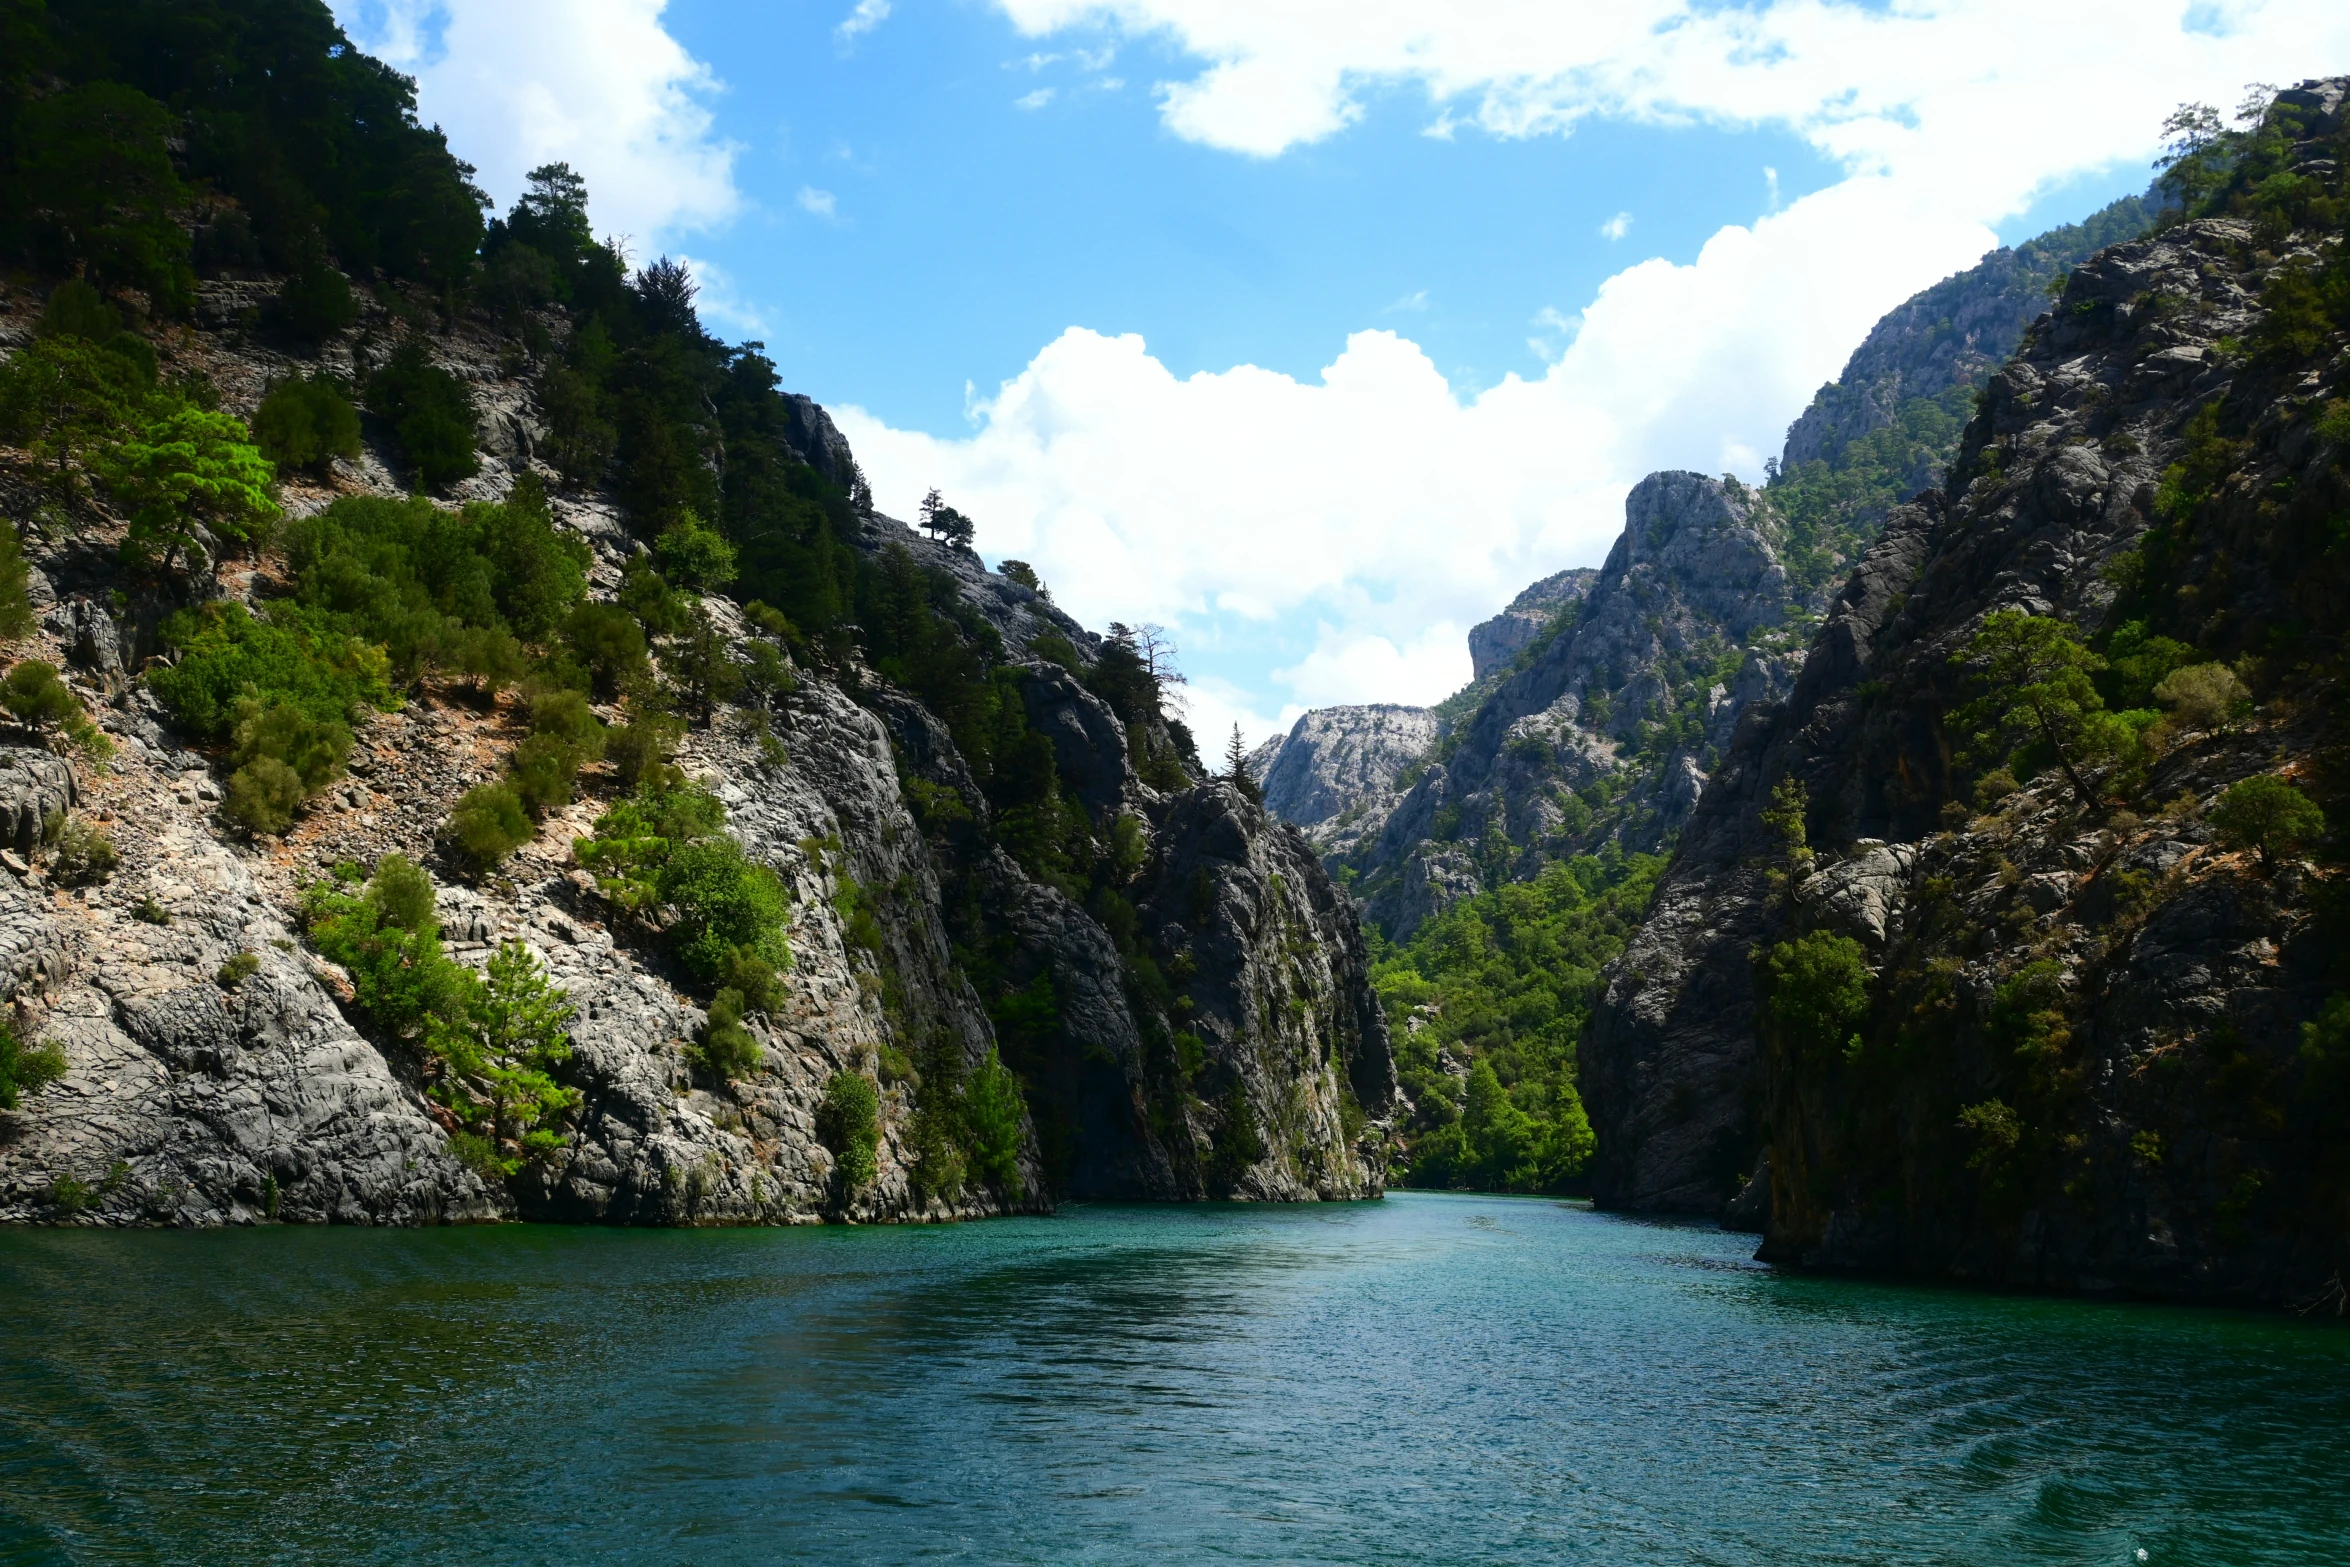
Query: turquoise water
[{"x": 1427, "y": 1379}]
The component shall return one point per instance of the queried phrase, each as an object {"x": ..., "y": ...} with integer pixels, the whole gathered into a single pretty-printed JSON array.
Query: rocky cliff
[
  {"x": 1495, "y": 643},
  {"x": 1338, "y": 771},
  {"x": 2088, "y": 1039},
  {"x": 984, "y": 839},
  {"x": 1605, "y": 729}
]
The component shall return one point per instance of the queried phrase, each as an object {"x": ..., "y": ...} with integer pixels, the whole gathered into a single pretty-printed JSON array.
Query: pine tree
[{"x": 1236, "y": 768}]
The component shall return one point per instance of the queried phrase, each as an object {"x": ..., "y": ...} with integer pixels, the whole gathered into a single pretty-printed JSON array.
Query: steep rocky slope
[
  {"x": 1495, "y": 643},
  {"x": 2085, "y": 1042},
  {"x": 1885, "y": 428},
  {"x": 1337, "y": 773},
  {"x": 1950, "y": 337},
  {"x": 986, "y": 840},
  {"x": 1605, "y": 728}
]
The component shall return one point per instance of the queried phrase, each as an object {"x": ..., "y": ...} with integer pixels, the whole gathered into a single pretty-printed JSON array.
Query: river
[{"x": 1436, "y": 1379}]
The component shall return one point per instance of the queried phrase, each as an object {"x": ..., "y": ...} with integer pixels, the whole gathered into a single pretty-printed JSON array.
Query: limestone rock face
[
  {"x": 1204, "y": 1027},
  {"x": 1676, "y": 624},
  {"x": 188, "y": 1100},
  {"x": 1493, "y": 643},
  {"x": 2066, "y": 1002},
  {"x": 1949, "y": 336},
  {"x": 1335, "y": 775},
  {"x": 1207, "y": 1028}
]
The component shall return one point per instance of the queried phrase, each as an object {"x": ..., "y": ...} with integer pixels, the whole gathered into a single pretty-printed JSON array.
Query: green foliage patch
[{"x": 1503, "y": 982}]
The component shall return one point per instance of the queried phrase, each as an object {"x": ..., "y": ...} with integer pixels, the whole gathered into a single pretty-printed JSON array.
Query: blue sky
[{"x": 1316, "y": 329}]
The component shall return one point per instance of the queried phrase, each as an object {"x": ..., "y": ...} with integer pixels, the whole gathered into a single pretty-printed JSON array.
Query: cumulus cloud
[
  {"x": 1375, "y": 499},
  {"x": 1616, "y": 227},
  {"x": 1383, "y": 507},
  {"x": 819, "y": 203},
  {"x": 1034, "y": 100},
  {"x": 598, "y": 84},
  {"x": 1964, "y": 87}
]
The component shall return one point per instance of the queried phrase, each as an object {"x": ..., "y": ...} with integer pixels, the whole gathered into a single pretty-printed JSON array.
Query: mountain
[
  {"x": 477, "y": 753},
  {"x": 1494, "y": 643},
  {"x": 1337, "y": 772},
  {"x": 1602, "y": 704},
  {"x": 1601, "y": 730},
  {"x": 2008, "y": 946}
]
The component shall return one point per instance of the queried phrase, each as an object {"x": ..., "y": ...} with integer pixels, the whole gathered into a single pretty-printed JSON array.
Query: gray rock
[
  {"x": 2127, "y": 959},
  {"x": 1494, "y": 643},
  {"x": 1336, "y": 773}
]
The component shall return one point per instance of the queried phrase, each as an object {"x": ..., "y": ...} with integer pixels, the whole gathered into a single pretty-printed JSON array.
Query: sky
[{"x": 1313, "y": 330}]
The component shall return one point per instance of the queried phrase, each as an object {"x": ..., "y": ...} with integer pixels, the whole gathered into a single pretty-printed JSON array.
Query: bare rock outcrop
[
  {"x": 2083, "y": 1062},
  {"x": 1340, "y": 770},
  {"x": 1609, "y": 730}
]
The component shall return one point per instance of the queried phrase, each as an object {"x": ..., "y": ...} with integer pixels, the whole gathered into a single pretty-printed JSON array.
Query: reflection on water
[{"x": 1428, "y": 1379}]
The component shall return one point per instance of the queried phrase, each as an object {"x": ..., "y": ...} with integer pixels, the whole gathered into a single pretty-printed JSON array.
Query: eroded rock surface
[{"x": 2082, "y": 1065}]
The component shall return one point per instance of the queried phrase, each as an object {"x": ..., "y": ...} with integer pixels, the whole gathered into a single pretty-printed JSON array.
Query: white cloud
[
  {"x": 1616, "y": 227},
  {"x": 1950, "y": 83},
  {"x": 1416, "y": 300},
  {"x": 1034, "y": 100},
  {"x": 1388, "y": 508},
  {"x": 598, "y": 84},
  {"x": 819, "y": 203},
  {"x": 868, "y": 15}
]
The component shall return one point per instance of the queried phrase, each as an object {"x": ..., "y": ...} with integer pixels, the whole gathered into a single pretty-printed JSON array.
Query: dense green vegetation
[
  {"x": 1502, "y": 983},
  {"x": 487, "y": 1041},
  {"x": 317, "y": 144},
  {"x": 126, "y": 126}
]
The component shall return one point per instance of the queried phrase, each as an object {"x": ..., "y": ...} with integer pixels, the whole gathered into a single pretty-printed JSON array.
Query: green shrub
[
  {"x": 83, "y": 856},
  {"x": 694, "y": 554},
  {"x": 1996, "y": 1128},
  {"x": 432, "y": 586},
  {"x": 753, "y": 978},
  {"x": 25, "y": 1069},
  {"x": 315, "y": 749},
  {"x": 2266, "y": 814},
  {"x": 225, "y": 653},
  {"x": 385, "y": 936},
  {"x": 848, "y": 1122},
  {"x": 608, "y": 643},
  {"x": 489, "y": 823},
  {"x": 646, "y": 594},
  {"x": 16, "y": 605},
  {"x": 728, "y": 1049},
  {"x": 639, "y": 748},
  {"x": 543, "y": 769},
  {"x": 566, "y": 716},
  {"x": 430, "y": 411},
  {"x": 1817, "y": 994},
  {"x": 2203, "y": 696},
  {"x": 237, "y": 970},
  {"x": 993, "y": 1111},
  {"x": 305, "y": 423},
  {"x": 400, "y": 894},
  {"x": 723, "y": 904},
  {"x": 264, "y": 795},
  {"x": 37, "y": 697}
]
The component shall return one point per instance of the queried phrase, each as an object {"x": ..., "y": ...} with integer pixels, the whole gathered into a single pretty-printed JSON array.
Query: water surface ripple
[{"x": 1427, "y": 1379}]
